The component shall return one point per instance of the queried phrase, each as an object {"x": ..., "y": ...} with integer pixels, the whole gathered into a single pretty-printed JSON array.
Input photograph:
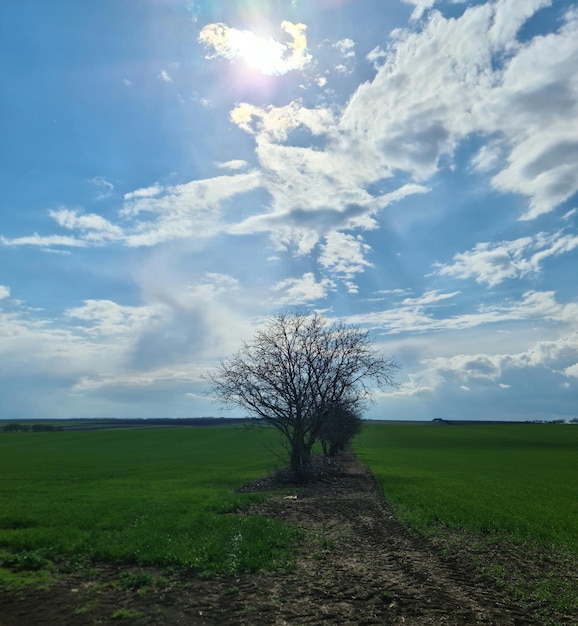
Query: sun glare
[{"x": 261, "y": 53}]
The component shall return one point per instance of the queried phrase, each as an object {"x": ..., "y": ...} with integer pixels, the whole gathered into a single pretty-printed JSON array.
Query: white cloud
[
  {"x": 551, "y": 355},
  {"x": 421, "y": 6},
  {"x": 537, "y": 111},
  {"x": 572, "y": 371},
  {"x": 203, "y": 316},
  {"x": 31, "y": 346},
  {"x": 108, "y": 350},
  {"x": 541, "y": 368},
  {"x": 469, "y": 367},
  {"x": 44, "y": 241},
  {"x": 303, "y": 290},
  {"x": 165, "y": 76},
  {"x": 420, "y": 383},
  {"x": 344, "y": 255},
  {"x": 161, "y": 379},
  {"x": 93, "y": 227},
  {"x": 441, "y": 84},
  {"x": 146, "y": 192},
  {"x": 376, "y": 57},
  {"x": 492, "y": 263},
  {"x": 274, "y": 123},
  {"x": 107, "y": 318},
  {"x": 313, "y": 191},
  {"x": 415, "y": 316},
  {"x": 4, "y": 292},
  {"x": 437, "y": 86},
  {"x": 191, "y": 210},
  {"x": 538, "y": 352},
  {"x": 346, "y": 47},
  {"x": 429, "y": 297},
  {"x": 235, "y": 164}
]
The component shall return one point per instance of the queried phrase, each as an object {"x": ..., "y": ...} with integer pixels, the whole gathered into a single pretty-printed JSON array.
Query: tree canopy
[{"x": 296, "y": 371}]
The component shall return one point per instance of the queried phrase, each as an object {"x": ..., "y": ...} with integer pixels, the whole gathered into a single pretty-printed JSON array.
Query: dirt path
[{"x": 357, "y": 565}]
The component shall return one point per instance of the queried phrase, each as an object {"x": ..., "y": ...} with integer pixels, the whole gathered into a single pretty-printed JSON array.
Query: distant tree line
[
  {"x": 15, "y": 427},
  {"x": 107, "y": 423},
  {"x": 439, "y": 420}
]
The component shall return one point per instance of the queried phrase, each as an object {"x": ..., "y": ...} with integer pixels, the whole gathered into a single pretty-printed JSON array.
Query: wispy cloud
[
  {"x": 104, "y": 187},
  {"x": 344, "y": 255},
  {"x": 414, "y": 315},
  {"x": 107, "y": 318},
  {"x": 494, "y": 262},
  {"x": 346, "y": 48},
  {"x": 165, "y": 76},
  {"x": 47, "y": 241},
  {"x": 93, "y": 228},
  {"x": 234, "y": 164}
]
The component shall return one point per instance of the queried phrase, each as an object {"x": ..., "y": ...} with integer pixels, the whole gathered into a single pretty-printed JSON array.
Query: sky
[{"x": 174, "y": 172}]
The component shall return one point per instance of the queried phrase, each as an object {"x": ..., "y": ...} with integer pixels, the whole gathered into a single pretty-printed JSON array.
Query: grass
[
  {"x": 518, "y": 481},
  {"x": 146, "y": 497},
  {"x": 508, "y": 494},
  {"x": 163, "y": 497}
]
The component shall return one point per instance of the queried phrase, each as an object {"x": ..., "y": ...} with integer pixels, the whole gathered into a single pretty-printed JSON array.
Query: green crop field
[
  {"x": 519, "y": 481},
  {"x": 142, "y": 496},
  {"x": 164, "y": 497},
  {"x": 505, "y": 494}
]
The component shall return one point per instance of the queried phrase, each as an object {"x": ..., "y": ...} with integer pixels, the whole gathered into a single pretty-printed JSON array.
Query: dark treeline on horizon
[
  {"x": 93, "y": 423},
  {"x": 155, "y": 421}
]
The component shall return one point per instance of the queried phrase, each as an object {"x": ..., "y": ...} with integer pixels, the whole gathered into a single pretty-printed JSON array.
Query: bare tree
[{"x": 294, "y": 370}]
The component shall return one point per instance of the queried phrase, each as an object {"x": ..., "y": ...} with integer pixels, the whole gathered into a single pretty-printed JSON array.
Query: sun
[
  {"x": 259, "y": 53},
  {"x": 262, "y": 53}
]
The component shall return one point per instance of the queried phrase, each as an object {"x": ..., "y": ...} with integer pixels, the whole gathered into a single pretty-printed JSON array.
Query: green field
[
  {"x": 142, "y": 496},
  {"x": 507, "y": 495},
  {"x": 514, "y": 481},
  {"x": 163, "y": 497}
]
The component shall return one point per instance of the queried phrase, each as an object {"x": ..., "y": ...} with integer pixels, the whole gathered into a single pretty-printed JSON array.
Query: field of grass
[
  {"x": 507, "y": 495},
  {"x": 516, "y": 481},
  {"x": 161, "y": 496},
  {"x": 142, "y": 496}
]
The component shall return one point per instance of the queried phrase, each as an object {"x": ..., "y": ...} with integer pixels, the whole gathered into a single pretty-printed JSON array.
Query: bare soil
[{"x": 355, "y": 565}]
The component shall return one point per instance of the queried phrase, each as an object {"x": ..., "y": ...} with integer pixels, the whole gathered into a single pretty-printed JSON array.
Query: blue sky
[{"x": 173, "y": 172}]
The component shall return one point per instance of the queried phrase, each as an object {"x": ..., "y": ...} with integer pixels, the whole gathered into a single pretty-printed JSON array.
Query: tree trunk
[{"x": 300, "y": 460}]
